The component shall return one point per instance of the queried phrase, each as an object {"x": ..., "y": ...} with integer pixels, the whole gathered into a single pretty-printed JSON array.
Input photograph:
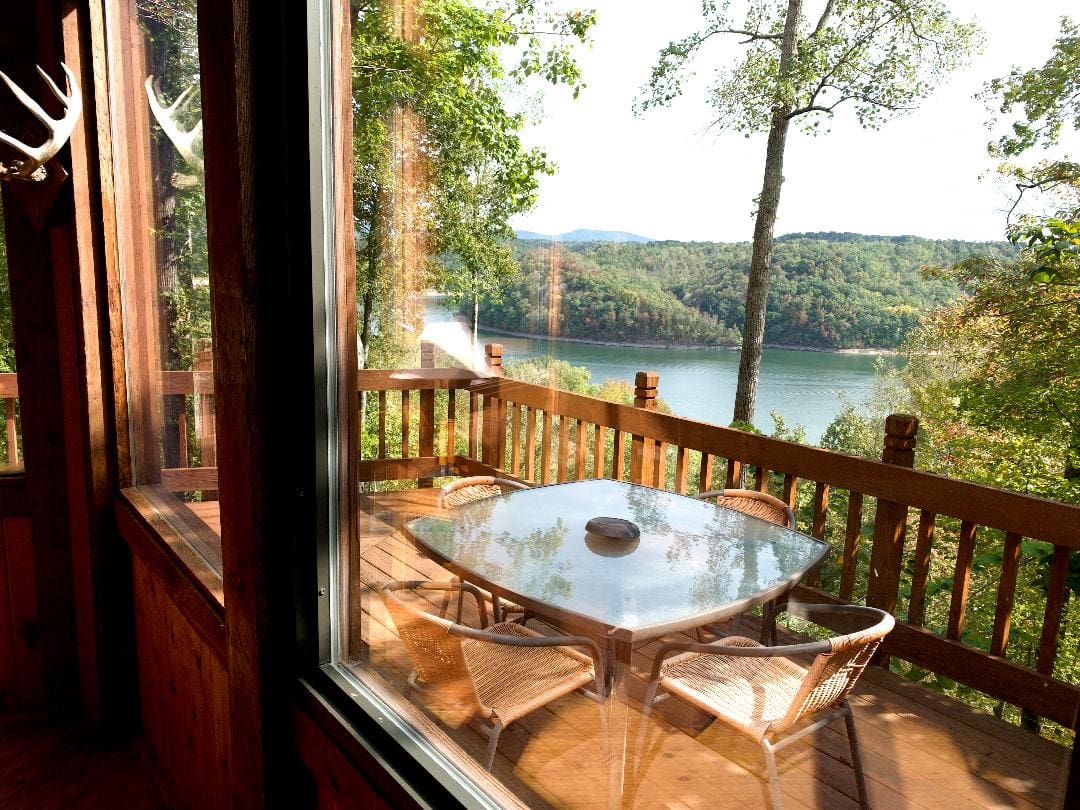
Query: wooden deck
[
  {"x": 46, "y": 765},
  {"x": 920, "y": 748}
]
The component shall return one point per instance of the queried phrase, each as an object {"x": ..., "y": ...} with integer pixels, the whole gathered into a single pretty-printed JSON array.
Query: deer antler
[
  {"x": 59, "y": 131},
  {"x": 188, "y": 144}
]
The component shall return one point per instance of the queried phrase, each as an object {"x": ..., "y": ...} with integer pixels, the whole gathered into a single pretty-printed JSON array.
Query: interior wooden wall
[{"x": 20, "y": 652}]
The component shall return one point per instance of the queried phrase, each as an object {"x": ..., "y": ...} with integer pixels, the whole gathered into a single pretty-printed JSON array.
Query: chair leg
[
  {"x": 856, "y": 759},
  {"x": 493, "y": 743},
  {"x": 774, "y": 777},
  {"x": 496, "y": 609}
]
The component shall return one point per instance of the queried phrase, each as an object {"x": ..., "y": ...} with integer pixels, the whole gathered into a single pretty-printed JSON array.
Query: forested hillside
[{"x": 830, "y": 291}]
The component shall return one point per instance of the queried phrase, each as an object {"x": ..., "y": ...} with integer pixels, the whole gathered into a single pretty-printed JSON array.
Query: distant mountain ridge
[{"x": 583, "y": 235}]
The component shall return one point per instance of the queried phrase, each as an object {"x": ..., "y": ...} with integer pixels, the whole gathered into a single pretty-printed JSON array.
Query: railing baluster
[
  {"x": 599, "y": 448},
  {"x": 761, "y": 478},
  {"x": 791, "y": 483},
  {"x": 579, "y": 449},
  {"x": 474, "y": 422},
  {"x": 821, "y": 508},
  {"x": 564, "y": 447},
  {"x": 1010, "y": 563},
  {"x": 659, "y": 465},
  {"x": 12, "y": 433},
  {"x": 515, "y": 438},
  {"x": 451, "y": 422},
  {"x": 852, "y": 539},
  {"x": 681, "y": 469},
  {"x": 1055, "y": 604},
  {"x": 705, "y": 474},
  {"x": 618, "y": 456},
  {"x": 965, "y": 553},
  {"x": 530, "y": 444},
  {"x": 817, "y": 522},
  {"x": 382, "y": 424},
  {"x": 923, "y": 541},
  {"x": 545, "y": 450},
  {"x": 426, "y": 442},
  {"x": 181, "y": 434},
  {"x": 733, "y": 476},
  {"x": 406, "y": 399}
]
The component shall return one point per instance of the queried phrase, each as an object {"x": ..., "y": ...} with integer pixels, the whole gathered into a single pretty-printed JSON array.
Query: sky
[{"x": 665, "y": 176}]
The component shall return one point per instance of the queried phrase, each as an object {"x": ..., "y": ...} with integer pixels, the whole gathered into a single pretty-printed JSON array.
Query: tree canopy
[{"x": 433, "y": 95}]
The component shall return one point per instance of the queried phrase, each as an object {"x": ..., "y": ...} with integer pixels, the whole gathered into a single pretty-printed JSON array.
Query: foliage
[
  {"x": 433, "y": 99},
  {"x": 1048, "y": 101},
  {"x": 831, "y": 290},
  {"x": 877, "y": 56},
  {"x": 7, "y": 344}
]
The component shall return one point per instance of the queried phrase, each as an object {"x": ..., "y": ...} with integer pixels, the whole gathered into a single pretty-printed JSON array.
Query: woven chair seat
[
  {"x": 513, "y": 681},
  {"x": 751, "y": 694},
  {"x": 470, "y": 494}
]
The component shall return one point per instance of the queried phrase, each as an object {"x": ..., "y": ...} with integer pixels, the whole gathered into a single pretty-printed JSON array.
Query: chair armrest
[{"x": 424, "y": 585}]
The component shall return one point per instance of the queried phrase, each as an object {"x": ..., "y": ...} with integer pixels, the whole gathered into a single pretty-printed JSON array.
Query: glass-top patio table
[{"x": 695, "y": 563}]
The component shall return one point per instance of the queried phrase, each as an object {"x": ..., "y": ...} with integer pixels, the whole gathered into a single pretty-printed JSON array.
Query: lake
[{"x": 806, "y": 388}]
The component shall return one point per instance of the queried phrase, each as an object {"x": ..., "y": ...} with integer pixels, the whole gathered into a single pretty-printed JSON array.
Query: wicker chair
[
  {"x": 468, "y": 490},
  {"x": 498, "y": 673},
  {"x": 758, "y": 504},
  {"x": 760, "y": 692},
  {"x": 475, "y": 488}
]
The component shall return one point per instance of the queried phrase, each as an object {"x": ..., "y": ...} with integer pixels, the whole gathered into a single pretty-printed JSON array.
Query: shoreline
[{"x": 693, "y": 347}]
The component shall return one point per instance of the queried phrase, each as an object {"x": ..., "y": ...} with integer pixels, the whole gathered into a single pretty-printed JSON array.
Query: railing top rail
[
  {"x": 412, "y": 379},
  {"x": 1026, "y": 515}
]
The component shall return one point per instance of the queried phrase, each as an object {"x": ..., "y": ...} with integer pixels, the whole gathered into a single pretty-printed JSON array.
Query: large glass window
[
  {"x": 161, "y": 213},
  {"x": 559, "y": 557}
]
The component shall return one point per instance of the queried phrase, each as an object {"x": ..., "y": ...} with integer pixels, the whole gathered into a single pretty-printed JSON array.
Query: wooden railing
[
  {"x": 541, "y": 435},
  {"x": 9, "y": 396}
]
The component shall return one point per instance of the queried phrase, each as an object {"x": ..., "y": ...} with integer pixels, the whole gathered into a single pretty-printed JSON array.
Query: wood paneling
[{"x": 184, "y": 697}]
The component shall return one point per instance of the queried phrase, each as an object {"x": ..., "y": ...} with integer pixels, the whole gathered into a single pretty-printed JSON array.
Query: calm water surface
[{"x": 806, "y": 388}]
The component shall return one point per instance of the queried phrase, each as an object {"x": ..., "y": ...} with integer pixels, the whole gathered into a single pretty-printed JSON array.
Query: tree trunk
[{"x": 757, "y": 289}]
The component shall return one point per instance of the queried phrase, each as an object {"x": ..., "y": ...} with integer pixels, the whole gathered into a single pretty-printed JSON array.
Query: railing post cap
[
  {"x": 493, "y": 349},
  {"x": 901, "y": 424},
  {"x": 647, "y": 379}
]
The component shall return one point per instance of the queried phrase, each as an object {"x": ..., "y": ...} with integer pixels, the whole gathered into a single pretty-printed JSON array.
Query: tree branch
[{"x": 825, "y": 14}]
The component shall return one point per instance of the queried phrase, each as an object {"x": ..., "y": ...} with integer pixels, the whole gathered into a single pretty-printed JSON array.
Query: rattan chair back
[
  {"x": 759, "y": 504},
  {"x": 437, "y": 655},
  {"x": 475, "y": 488},
  {"x": 833, "y": 674}
]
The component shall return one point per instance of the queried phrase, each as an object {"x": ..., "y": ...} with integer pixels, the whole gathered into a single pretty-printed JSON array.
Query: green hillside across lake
[{"x": 829, "y": 290}]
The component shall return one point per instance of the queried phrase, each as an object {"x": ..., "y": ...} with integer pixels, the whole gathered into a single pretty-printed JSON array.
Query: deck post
[
  {"x": 493, "y": 451},
  {"x": 641, "y": 447},
  {"x": 890, "y": 523},
  {"x": 427, "y": 412}
]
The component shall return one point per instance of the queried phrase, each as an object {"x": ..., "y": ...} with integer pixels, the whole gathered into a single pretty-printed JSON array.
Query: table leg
[{"x": 617, "y": 656}]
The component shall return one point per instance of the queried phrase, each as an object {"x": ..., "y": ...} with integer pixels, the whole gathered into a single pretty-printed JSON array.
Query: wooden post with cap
[
  {"x": 493, "y": 450},
  {"x": 427, "y": 412},
  {"x": 890, "y": 524},
  {"x": 641, "y": 447}
]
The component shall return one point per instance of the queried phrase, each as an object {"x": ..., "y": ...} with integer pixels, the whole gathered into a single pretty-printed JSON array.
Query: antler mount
[{"x": 32, "y": 169}]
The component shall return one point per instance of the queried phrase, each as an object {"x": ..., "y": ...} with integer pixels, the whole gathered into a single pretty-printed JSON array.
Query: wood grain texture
[
  {"x": 921, "y": 571},
  {"x": 965, "y": 552},
  {"x": 1006, "y": 595}
]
